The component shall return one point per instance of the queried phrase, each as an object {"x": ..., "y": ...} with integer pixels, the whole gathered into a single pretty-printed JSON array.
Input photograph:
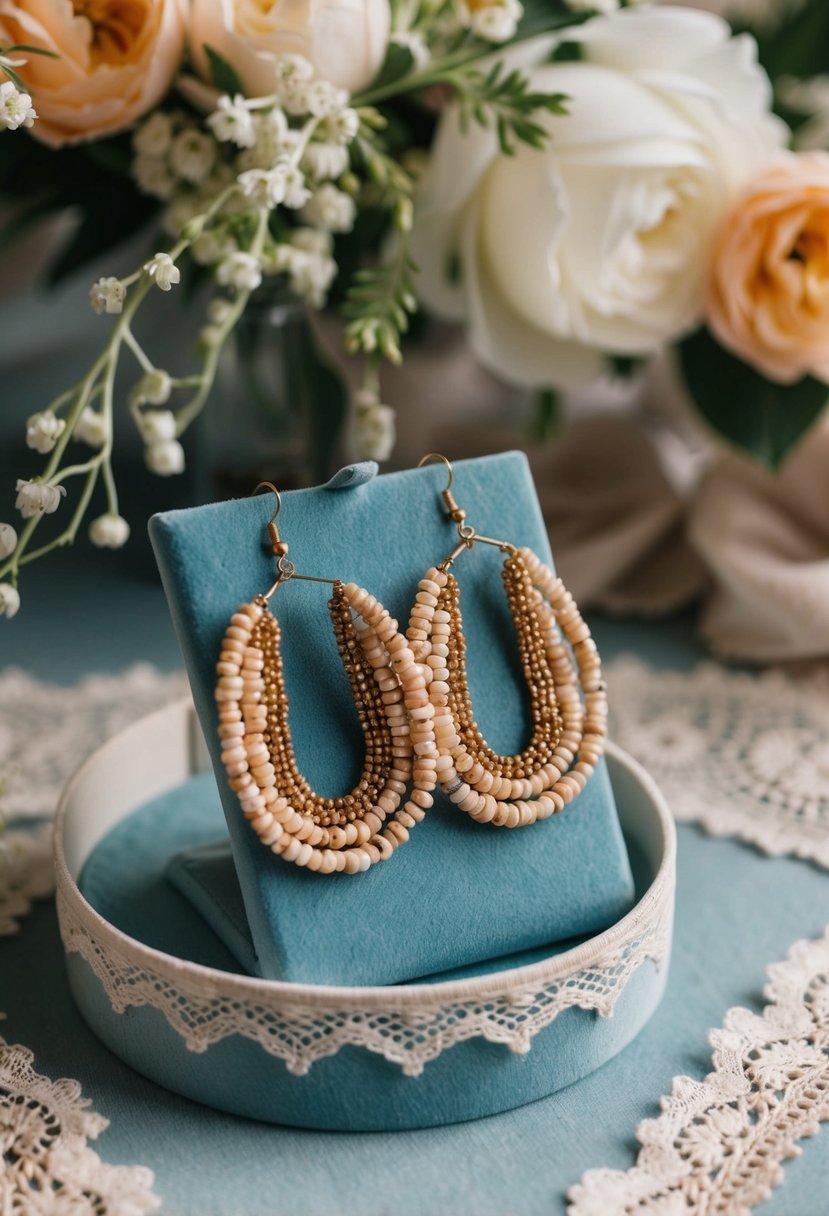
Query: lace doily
[
  {"x": 48, "y": 1168},
  {"x": 47, "y": 730},
  {"x": 26, "y": 873},
  {"x": 742, "y": 755},
  {"x": 719, "y": 1143},
  {"x": 408, "y": 1027}
]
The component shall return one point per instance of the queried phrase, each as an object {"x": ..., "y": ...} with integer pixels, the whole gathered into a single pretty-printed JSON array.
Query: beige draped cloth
[{"x": 765, "y": 539}]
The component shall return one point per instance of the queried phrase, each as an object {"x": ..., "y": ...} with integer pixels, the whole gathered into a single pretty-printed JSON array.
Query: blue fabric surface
[
  {"x": 736, "y": 912},
  {"x": 453, "y": 885},
  {"x": 354, "y": 1089}
]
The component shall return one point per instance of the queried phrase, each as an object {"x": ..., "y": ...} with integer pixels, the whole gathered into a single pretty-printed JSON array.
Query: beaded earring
[
  {"x": 563, "y": 670},
  {"x": 348, "y": 833}
]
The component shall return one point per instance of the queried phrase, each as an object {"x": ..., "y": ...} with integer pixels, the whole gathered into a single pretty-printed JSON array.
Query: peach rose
[
  {"x": 768, "y": 294},
  {"x": 117, "y": 58}
]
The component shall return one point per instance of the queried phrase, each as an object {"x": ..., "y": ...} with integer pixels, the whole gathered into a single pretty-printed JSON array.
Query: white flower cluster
[
  {"x": 16, "y": 109},
  {"x": 497, "y": 20},
  {"x": 374, "y": 428},
  {"x": 288, "y": 150}
]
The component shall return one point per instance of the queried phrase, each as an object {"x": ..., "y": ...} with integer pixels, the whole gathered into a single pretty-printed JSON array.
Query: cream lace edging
[
  {"x": 47, "y": 732},
  {"x": 408, "y": 1026},
  {"x": 719, "y": 1143},
  {"x": 47, "y": 1165},
  {"x": 742, "y": 755}
]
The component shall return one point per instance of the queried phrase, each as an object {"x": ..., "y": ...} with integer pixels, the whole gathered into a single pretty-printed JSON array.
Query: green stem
[{"x": 105, "y": 364}]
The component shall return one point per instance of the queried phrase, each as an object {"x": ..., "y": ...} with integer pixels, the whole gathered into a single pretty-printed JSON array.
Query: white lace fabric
[
  {"x": 46, "y": 733},
  {"x": 719, "y": 1144},
  {"x": 50, "y": 729},
  {"x": 408, "y": 1026},
  {"x": 48, "y": 1168},
  {"x": 744, "y": 755}
]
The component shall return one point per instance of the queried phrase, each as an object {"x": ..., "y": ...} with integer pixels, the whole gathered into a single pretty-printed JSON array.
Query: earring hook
[
  {"x": 453, "y": 510},
  {"x": 284, "y": 566},
  {"x": 438, "y": 456},
  {"x": 268, "y": 485}
]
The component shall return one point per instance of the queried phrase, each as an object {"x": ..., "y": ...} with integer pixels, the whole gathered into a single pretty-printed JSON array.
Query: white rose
[
  {"x": 109, "y": 531},
  {"x": 344, "y": 40},
  {"x": 598, "y": 244}
]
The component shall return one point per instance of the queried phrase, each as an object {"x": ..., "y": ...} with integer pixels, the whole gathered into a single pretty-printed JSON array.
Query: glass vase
[{"x": 278, "y": 405}]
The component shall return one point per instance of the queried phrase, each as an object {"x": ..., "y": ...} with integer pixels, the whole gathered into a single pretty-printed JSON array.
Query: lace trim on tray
[
  {"x": 742, "y": 755},
  {"x": 719, "y": 1143},
  {"x": 411, "y": 1036},
  {"x": 47, "y": 1167}
]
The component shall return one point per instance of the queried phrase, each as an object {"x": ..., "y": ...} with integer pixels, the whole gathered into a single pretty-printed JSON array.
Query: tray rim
[{"x": 651, "y": 905}]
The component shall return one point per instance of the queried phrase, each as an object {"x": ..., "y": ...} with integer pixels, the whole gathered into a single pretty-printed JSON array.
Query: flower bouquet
[{"x": 581, "y": 189}]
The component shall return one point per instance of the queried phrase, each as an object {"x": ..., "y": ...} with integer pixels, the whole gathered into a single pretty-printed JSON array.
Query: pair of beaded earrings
[{"x": 412, "y": 696}]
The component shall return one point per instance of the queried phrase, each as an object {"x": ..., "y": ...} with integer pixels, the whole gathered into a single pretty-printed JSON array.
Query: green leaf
[
  {"x": 545, "y": 421},
  {"x": 797, "y": 46},
  {"x": 30, "y": 50},
  {"x": 398, "y": 63},
  {"x": 760, "y": 417},
  {"x": 223, "y": 75}
]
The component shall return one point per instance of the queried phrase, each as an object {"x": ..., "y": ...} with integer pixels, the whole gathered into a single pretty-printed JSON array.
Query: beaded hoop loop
[
  {"x": 348, "y": 833},
  {"x": 567, "y": 694}
]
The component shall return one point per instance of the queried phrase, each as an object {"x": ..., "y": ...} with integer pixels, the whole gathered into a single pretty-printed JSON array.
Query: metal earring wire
[
  {"x": 567, "y": 694},
  {"x": 328, "y": 835}
]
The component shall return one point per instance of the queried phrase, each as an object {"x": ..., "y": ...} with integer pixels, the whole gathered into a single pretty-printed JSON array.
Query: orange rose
[
  {"x": 117, "y": 58},
  {"x": 768, "y": 293}
]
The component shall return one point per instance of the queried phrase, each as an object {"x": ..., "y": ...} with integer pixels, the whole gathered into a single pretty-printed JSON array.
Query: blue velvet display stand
[{"x": 458, "y": 892}]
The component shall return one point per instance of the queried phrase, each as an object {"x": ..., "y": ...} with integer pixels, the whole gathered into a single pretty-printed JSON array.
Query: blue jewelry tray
[{"x": 164, "y": 994}]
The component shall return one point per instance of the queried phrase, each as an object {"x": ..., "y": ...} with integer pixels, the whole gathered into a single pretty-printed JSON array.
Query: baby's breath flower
[
  {"x": 157, "y": 426},
  {"x": 107, "y": 295},
  {"x": 37, "y": 498},
  {"x": 324, "y": 100},
  {"x": 16, "y": 108},
  {"x": 241, "y": 270},
  {"x": 163, "y": 269},
  {"x": 9, "y": 600},
  {"x": 43, "y": 431},
  {"x": 165, "y": 458},
  {"x": 323, "y": 161},
  {"x": 330, "y": 209},
  {"x": 152, "y": 389},
  {"x": 207, "y": 248},
  {"x": 341, "y": 127},
  {"x": 109, "y": 531},
  {"x": 192, "y": 154},
  {"x": 153, "y": 137},
  {"x": 219, "y": 310},
  {"x": 185, "y": 207},
  {"x": 497, "y": 20},
  {"x": 312, "y": 240},
  {"x": 374, "y": 427},
  {"x": 91, "y": 428},
  {"x": 8, "y": 540},
  {"x": 232, "y": 122},
  {"x": 153, "y": 175}
]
